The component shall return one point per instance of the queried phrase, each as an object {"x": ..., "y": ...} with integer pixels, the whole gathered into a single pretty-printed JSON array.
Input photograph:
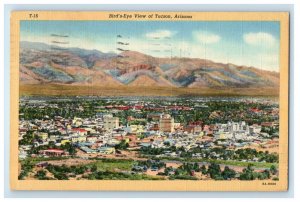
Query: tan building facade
[{"x": 166, "y": 123}]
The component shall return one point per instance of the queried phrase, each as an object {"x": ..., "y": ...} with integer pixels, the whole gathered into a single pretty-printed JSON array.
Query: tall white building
[{"x": 237, "y": 126}]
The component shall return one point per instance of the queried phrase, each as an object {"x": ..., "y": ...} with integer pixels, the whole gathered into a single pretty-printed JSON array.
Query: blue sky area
[{"x": 252, "y": 43}]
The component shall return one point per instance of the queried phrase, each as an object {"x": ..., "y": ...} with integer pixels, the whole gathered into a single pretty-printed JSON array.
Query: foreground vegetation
[{"x": 116, "y": 169}]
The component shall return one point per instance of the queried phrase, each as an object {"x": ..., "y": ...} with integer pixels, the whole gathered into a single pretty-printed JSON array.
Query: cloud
[
  {"x": 270, "y": 61},
  {"x": 259, "y": 38},
  {"x": 160, "y": 34},
  {"x": 206, "y": 37}
]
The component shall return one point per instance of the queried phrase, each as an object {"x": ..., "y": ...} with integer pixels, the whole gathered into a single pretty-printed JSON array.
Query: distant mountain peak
[{"x": 40, "y": 63}]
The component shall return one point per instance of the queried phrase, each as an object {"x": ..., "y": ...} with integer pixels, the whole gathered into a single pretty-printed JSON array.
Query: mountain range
[{"x": 47, "y": 64}]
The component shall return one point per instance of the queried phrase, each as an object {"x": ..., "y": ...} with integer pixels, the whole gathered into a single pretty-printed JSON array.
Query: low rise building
[
  {"x": 106, "y": 150},
  {"x": 53, "y": 152}
]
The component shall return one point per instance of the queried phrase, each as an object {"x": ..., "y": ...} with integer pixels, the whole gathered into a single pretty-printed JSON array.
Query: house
[
  {"x": 88, "y": 150},
  {"x": 135, "y": 129},
  {"x": 43, "y": 136},
  {"x": 64, "y": 141},
  {"x": 42, "y": 164},
  {"x": 113, "y": 142},
  {"x": 129, "y": 138},
  {"x": 254, "y": 129},
  {"x": 106, "y": 150},
  {"x": 154, "y": 127},
  {"x": 90, "y": 130},
  {"x": 53, "y": 152},
  {"x": 22, "y": 154},
  {"x": 154, "y": 116},
  {"x": 223, "y": 135},
  {"x": 53, "y": 138},
  {"x": 78, "y": 138},
  {"x": 144, "y": 144},
  {"x": 77, "y": 121},
  {"x": 79, "y": 131},
  {"x": 92, "y": 139},
  {"x": 62, "y": 131}
]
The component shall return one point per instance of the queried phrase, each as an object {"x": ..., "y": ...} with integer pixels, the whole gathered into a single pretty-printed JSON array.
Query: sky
[{"x": 249, "y": 43}]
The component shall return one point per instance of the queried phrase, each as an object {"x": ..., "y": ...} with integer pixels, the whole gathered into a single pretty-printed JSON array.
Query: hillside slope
[{"x": 44, "y": 64}]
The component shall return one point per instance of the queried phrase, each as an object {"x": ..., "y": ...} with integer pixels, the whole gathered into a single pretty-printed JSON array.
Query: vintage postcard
[{"x": 149, "y": 101}]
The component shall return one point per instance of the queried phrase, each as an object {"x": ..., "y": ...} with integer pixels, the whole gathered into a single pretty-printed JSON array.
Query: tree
[
  {"x": 168, "y": 170},
  {"x": 123, "y": 145},
  {"x": 203, "y": 170},
  {"x": 41, "y": 175},
  {"x": 28, "y": 139},
  {"x": 26, "y": 168},
  {"x": 263, "y": 175},
  {"x": 273, "y": 169},
  {"x": 214, "y": 171},
  {"x": 266, "y": 174},
  {"x": 167, "y": 143},
  {"x": 196, "y": 167},
  {"x": 79, "y": 170},
  {"x": 94, "y": 168},
  {"x": 61, "y": 176},
  {"x": 70, "y": 148},
  {"x": 248, "y": 173},
  {"x": 228, "y": 173}
]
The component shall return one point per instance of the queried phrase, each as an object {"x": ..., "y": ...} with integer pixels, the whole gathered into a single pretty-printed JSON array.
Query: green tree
[
  {"x": 248, "y": 173},
  {"x": 70, "y": 148},
  {"x": 94, "y": 168},
  {"x": 203, "y": 170},
  {"x": 122, "y": 145},
  {"x": 196, "y": 167},
  {"x": 228, "y": 173},
  {"x": 41, "y": 175},
  {"x": 214, "y": 171},
  {"x": 273, "y": 169}
]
